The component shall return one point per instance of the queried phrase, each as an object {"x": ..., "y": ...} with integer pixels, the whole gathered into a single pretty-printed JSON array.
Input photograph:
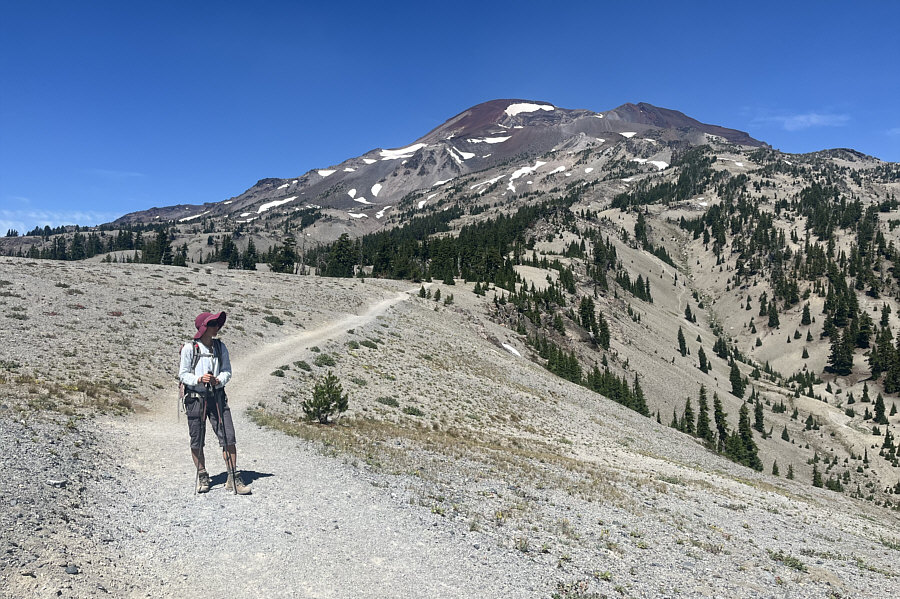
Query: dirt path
[{"x": 313, "y": 527}]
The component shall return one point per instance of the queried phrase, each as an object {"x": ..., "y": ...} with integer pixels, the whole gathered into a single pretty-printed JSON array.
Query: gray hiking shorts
[{"x": 216, "y": 403}]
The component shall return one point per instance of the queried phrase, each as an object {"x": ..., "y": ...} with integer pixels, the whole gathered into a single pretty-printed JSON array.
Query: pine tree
[
  {"x": 737, "y": 383},
  {"x": 341, "y": 258},
  {"x": 790, "y": 474},
  {"x": 721, "y": 422},
  {"x": 758, "y": 423},
  {"x": 785, "y": 435},
  {"x": 806, "y": 320},
  {"x": 751, "y": 453},
  {"x": 841, "y": 359},
  {"x": 328, "y": 398},
  {"x": 703, "y": 429},
  {"x": 639, "y": 402},
  {"x": 603, "y": 333},
  {"x": 816, "y": 477},
  {"x": 880, "y": 418},
  {"x": 773, "y": 316},
  {"x": 775, "y": 467},
  {"x": 704, "y": 363},
  {"x": 682, "y": 344},
  {"x": 688, "y": 418}
]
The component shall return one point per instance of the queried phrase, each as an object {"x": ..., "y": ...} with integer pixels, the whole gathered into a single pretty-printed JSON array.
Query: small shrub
[
  {"x": 353, "y": 344},
  {"x": 788, "y": 560},
  {"x": 413, "y": 411},
  {"x": 388, "y": 401},
  {"x": 368, "y": 343},
  {"x": 359, "y": 381},
  {"x": 274, "y": 320},
  {"x": 315, "y": 349},
  {"x": 327, "y": 399},
  {"x": 324, "y": 360},
  {"x": 278, "y": 373},
  {"x": 303, "y": 365}
]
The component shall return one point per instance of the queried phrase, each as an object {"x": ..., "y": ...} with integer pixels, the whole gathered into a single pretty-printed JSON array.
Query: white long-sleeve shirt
[{"x": 220, "y": 368}]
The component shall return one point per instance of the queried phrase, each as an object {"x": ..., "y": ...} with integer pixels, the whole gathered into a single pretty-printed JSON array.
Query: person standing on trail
[{"x": 205, "y": 370}]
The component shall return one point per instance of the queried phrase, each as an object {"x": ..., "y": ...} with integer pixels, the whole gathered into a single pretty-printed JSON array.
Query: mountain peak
[{"x": 665, "y": 118}]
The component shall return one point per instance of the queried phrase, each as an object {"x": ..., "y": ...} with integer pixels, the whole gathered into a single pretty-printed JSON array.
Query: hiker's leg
[
  {"x": 196, "y": 426},
  {"x": 229, "y": 454},
  {"x": 199, "y": 458}
]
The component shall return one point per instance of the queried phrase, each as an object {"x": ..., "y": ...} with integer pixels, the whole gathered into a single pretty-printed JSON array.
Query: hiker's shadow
[{"x": 248, "y": 476}]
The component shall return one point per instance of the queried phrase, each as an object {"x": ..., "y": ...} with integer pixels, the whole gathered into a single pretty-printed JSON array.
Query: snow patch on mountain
[
  {"x": 559, "y": 169},
  {"x": 514, "y": 109},
  {"x": 187, "y": 218},
  {"x": 522, "y": 172},
  {"x": 270, "y": 205},
  {"x": 369, "y": 161},
  {"x": 355, "y": 215},
  {"x": 352, "y": 193},
  {"x": 283, "y": 186},
  {"x": 375, "y": 189},
  {"x": 511, "y": 349},
  {"x": 487, "y": 183},
  {"x": 406, "y": 152},
  {"x": 628, "y": 134},
  {"x": 325, "y": 172},
  {"x": 489, "y": 140},
  {"x": 588, "y": 170},
  {"x": 380, "y": 213},
  {"x": 362, "y": 200}
]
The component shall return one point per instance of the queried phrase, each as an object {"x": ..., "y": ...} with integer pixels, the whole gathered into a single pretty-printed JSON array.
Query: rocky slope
[{"x": 460, "y": 468}]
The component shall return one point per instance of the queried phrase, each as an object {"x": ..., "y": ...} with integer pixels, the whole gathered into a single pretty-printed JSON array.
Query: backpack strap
[{"x": 195, "y": 356}]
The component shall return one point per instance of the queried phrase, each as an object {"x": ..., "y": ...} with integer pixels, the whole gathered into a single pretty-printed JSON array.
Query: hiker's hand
[{"x": 208, "y": 379}]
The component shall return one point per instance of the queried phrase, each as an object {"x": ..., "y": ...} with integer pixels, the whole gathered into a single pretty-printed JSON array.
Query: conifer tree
[
  {"x": 773, "y": 316},
  {"x": 841, "y": 359},
  {"x": 880, "y": 418},
  {"x": 816, "y": 476},
  {"x": 805, "y": 320},
  {"x": 704, "y": 364},
  {"x": 784, "y": 434},
  {"x": 703, "y": 429},
  {"x": 737, "y": 383},
  {"x": 721, "y": 422},
  {"x": 751, "y": 453},
  {"x": 775, "y": 467},
  {"x": 790, "y": 474},
  {"x": 758, "y": 423},
  {"x": 603, "y": 332},
  {"x": 682, "y": 344},
  {"x": 688, "y": 418},
  {"x": 639, "y": 402}
]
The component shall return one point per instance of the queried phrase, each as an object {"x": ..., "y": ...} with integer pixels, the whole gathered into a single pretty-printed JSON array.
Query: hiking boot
[
  {"x": 203, "y": 482},
  {"x": 236, "y": 482}
]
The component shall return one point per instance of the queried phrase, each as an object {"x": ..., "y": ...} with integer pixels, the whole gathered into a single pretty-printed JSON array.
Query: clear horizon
[{"x": 110, "y": 108}]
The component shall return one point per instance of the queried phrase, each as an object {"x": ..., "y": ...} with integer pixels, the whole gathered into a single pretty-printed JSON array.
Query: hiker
[{"x": 205, "y": 370}]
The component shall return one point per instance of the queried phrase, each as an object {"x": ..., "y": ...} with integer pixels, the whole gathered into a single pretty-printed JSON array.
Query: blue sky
[{"x": 111, "y": 107}]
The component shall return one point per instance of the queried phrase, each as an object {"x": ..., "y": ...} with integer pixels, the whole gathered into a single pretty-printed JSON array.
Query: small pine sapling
[{"x": 327, "y": 399}]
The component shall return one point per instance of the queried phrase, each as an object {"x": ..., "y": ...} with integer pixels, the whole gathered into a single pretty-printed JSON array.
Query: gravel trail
[{"x": 313, "y": 527}]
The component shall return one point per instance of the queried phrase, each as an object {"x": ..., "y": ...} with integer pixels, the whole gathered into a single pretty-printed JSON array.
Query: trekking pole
[{"x": 228, "y": 461}]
